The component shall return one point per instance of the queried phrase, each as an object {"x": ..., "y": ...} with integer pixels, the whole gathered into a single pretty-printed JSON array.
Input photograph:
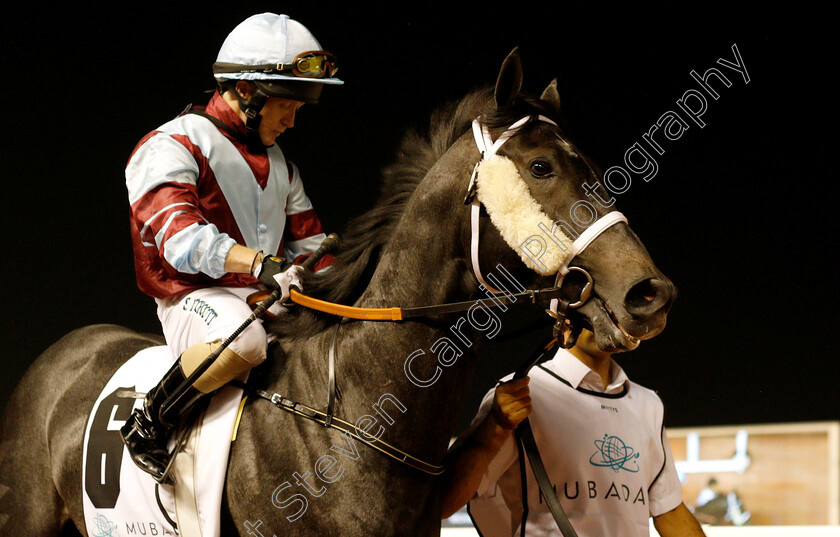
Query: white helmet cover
[{"x": 268, "y": 39}]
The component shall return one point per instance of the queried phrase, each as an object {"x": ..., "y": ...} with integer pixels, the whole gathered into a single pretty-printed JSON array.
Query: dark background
[{"x": 740, "y": 215}]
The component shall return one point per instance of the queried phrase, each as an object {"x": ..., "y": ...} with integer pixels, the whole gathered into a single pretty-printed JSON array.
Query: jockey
[{"x": 218, "y": 213}]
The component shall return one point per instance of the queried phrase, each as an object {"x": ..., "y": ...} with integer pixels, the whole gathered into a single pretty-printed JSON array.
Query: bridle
[{"x": 558, "y": 306}]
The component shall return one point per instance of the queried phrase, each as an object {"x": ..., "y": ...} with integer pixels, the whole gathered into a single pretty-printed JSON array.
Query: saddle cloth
[{"x": 121, "y": 499}]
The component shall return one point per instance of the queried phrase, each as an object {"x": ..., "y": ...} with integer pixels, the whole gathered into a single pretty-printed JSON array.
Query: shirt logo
[
  {"x": 103, "y": 527},
  {"x": 613, "y": 453}
]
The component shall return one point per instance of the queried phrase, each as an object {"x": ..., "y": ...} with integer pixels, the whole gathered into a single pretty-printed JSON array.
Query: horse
[{"x": 291, "y": 476}]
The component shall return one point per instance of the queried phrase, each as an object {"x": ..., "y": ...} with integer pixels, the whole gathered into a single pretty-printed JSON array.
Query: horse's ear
[
  {"x": 551, "y": 96},
  {"x": 509, "y": 83}
]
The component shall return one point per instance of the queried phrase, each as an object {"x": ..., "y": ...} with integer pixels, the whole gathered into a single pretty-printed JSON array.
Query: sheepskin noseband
[{"x": 517, "y": 215}]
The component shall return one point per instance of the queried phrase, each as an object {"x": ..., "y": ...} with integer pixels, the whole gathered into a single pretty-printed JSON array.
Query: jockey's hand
[
  {"x": 512, "y": 403},
  {"x": 276, "y": 273}
]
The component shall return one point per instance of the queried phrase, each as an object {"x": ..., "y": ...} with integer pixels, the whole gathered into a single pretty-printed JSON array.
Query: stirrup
[{"x": 165, "y": 478}]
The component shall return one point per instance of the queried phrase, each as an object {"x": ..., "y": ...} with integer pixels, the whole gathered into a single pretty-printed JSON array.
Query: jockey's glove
[{"x": 277, "y": 273}]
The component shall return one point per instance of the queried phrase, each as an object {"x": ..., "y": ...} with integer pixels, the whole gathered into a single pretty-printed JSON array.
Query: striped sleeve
[
  {"x": 303, "y": 233},
  {"x": 161, "y": 180}
]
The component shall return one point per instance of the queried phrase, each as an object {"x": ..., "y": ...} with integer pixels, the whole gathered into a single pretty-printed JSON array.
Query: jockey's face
[{"x": 278, "y": 114}]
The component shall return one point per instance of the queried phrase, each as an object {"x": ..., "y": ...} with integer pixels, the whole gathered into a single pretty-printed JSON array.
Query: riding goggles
[{"x": 311, "y": 64}]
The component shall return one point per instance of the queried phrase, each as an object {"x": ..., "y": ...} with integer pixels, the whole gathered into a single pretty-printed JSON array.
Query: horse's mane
[{"x": 366, "y": 234}]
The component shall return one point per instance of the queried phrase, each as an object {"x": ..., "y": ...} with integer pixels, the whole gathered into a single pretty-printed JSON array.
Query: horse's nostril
[
  {"x": 641, "y": 294},
  {"x": 647, "y": 296}
]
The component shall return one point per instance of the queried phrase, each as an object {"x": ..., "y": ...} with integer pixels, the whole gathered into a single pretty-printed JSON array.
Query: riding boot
[{"x": 146, "y": 433}]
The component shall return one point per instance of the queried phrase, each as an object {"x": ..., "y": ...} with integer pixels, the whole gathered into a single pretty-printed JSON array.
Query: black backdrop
[{"x": 740, "y": 214}]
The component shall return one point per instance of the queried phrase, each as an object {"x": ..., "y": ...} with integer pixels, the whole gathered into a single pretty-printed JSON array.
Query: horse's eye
[{"x": 540, "y": 169}]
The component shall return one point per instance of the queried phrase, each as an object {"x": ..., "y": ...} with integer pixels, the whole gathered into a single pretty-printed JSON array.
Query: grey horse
[{"x": 411, "y": 249}]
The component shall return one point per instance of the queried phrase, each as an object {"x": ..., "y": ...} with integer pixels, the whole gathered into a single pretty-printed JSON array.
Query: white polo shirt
[{"x": 605, "y": 451}]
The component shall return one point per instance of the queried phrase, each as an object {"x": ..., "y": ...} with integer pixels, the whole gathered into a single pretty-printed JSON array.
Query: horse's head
[{"x": 535, "y": 228}]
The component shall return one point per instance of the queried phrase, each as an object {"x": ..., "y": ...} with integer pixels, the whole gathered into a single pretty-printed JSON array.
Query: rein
[
  {"x": 395, "y": 314},
  {"x": 525, "y": 438}
]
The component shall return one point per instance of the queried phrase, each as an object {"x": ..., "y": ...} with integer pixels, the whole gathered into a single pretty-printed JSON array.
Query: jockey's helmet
[{"x": 280, "y": 56}]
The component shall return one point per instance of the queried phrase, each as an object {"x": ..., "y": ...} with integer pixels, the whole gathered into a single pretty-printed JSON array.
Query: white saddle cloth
[{"x": 121, "y": 499}]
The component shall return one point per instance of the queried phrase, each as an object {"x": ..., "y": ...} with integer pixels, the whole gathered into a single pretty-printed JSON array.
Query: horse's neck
[
  {"x": 423, "y": 264},
  {"x": 420, "y": 266}
]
